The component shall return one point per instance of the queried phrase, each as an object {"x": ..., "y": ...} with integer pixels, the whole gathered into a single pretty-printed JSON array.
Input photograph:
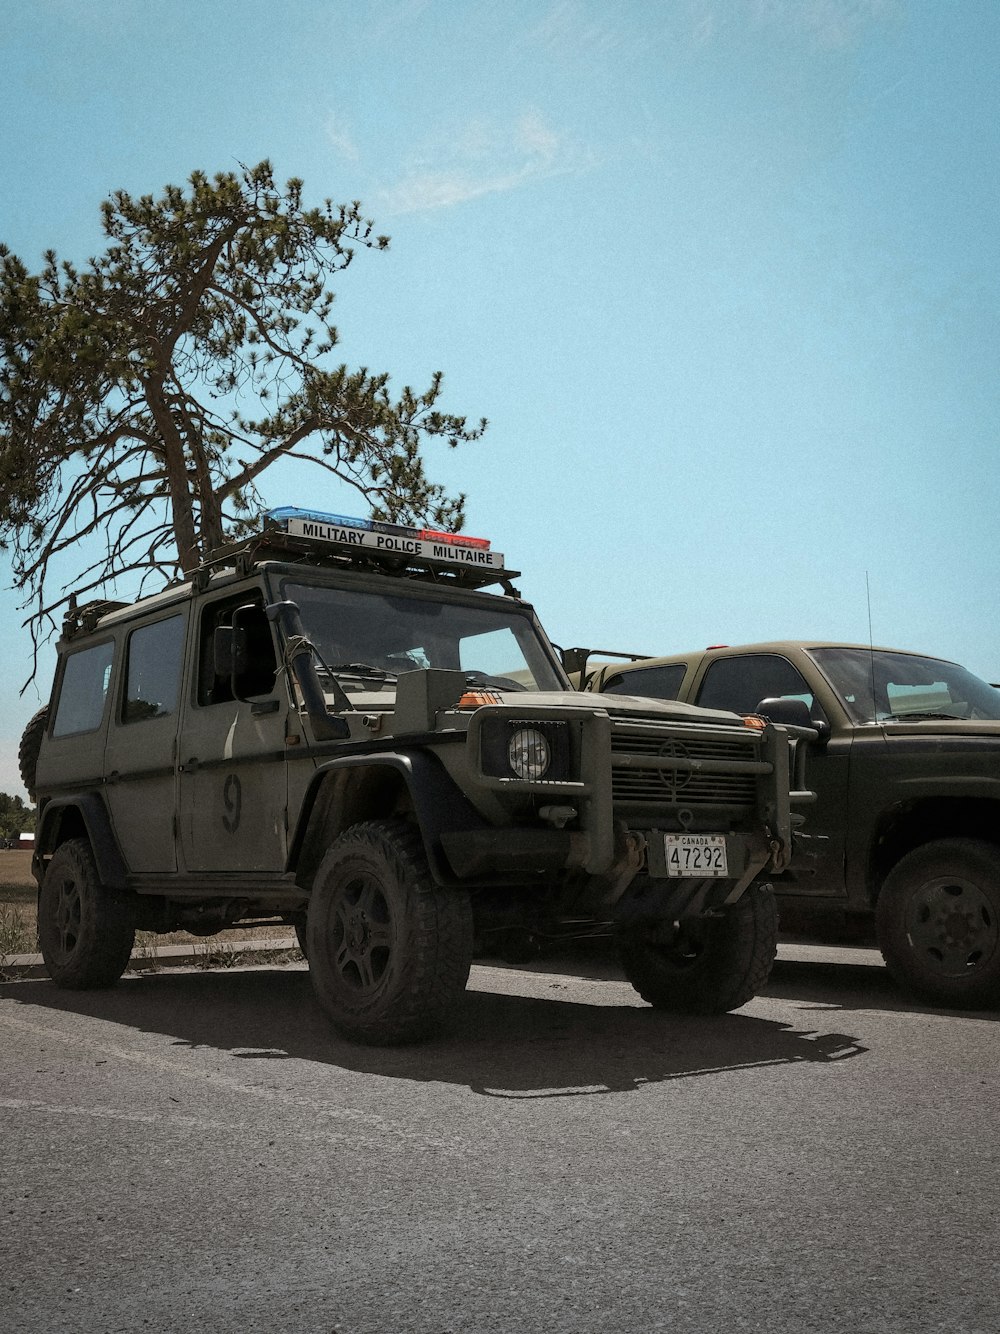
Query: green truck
[
  {"x": 361, "y": 729},
  {"x": 904, "y": 836}
]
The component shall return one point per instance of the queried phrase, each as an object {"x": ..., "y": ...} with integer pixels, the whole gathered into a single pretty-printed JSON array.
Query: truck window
[
  {"x": 663, "y": 682},
  {"x": 154, "y": 670},
  {"x": 84, "y": 688},
  {"x": 262, "y": 666},
  {"x": 741, "y": 683}
]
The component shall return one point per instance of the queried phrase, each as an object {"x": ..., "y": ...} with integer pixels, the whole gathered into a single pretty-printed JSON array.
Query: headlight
[
  {"x": 528, "y": 754},
  {"x": 528, "y": 750}
]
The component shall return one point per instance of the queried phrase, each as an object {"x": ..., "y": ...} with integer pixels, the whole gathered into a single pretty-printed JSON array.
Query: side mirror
[
  {"x": 792, "y": 713},
  {"x": 574, "y": 660}
]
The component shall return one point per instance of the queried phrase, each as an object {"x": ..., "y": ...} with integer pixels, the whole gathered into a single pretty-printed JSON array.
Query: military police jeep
[{"x": 336, "y": 725}]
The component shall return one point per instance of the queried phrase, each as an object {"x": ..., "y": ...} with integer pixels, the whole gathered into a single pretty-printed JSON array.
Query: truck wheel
[
  {"x": 31, "y": 744},
  {"x": 713, "y": 964},
  {"x": 85, "y": 930},
  {"x": 389, "y": 950},
  {"x": 938, "y": 922}
]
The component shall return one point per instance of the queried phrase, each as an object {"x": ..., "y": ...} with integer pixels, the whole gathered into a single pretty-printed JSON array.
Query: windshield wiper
[
  {"x": 920, "y": 713},
  {"x": 360, "y": 669},
  {"x": 487, "y": 679}
]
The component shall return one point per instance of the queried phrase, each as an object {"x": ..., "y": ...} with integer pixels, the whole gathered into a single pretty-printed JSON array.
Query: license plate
[{"x": 696, "y": 855}]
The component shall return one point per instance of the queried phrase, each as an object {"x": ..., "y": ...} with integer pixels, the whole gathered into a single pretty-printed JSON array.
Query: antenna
[{"x": 871, "y": 647}]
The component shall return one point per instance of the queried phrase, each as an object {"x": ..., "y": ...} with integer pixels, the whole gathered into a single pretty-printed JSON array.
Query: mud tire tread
[
  {"x": 107, "y": 922},
  {"x": 734, "y": 967},
  {"x": 433, "y": 949},
  {"x": 30, "y": 745}
]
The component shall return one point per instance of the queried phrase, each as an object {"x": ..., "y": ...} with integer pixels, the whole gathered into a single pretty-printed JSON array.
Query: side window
[
  {"x": 260, "y": 673},
  {"x": 662, "y": 682},
  {"x": 741, "y": 683},
  {"x": 85, "y": 679},
  {"x": 155, "y": 653}
]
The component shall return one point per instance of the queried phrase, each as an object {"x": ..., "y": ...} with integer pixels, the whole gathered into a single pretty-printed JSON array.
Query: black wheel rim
[
  {"x": 66, "y": 917},
  {"x": 361, "y": 934},
  {"x": 952, "y": 926}
]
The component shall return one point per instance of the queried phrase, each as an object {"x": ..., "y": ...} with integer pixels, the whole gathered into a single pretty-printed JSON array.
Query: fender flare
[
  {"x": 96, "y": 822},
  {"x": 439, "y": 804}
]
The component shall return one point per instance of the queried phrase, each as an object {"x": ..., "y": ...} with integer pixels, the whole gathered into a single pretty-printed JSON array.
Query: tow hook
[
  {"x": 779, "y": 859},
  {"x": 630, "y": 845}
]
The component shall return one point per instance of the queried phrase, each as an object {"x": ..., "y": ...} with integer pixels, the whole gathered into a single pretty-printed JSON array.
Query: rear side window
[
  {"x": 84, "y": 689},
  {"x": 662, "y": 682},
  {"x": 154, "y": 670}
]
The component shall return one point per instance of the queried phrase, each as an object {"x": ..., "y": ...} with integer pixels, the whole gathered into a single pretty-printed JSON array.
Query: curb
[{"x": 146, "y": 959}]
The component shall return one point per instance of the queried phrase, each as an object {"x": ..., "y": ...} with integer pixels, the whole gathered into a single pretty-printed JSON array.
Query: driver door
[
  {"x": 231, "y": 751},
  {"x": 740, "y": 682}
]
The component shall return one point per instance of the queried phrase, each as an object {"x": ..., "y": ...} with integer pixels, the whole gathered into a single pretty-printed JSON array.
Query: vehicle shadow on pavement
[
  {"x": 820, "y": 984},
  {"x": 850, "y": 986},
  {"x": 498, "y": 1045}
]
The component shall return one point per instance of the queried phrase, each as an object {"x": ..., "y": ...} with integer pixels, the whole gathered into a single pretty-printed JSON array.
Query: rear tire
[
  {"x": 389, "y": 950},
  {"x": 713, "y": 964},
  {"x": 938, "y": 923},
  {"x": 85, "y": 930}
]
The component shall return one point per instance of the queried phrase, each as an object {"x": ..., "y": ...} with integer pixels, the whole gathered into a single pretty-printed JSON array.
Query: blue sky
[{"x": 723, "y": 275}]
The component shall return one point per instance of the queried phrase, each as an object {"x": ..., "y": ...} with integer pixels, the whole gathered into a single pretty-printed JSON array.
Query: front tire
[
  {"x": 86, "y": 931},
  {"x": 937, "y": 920},
  {"x": 712, "y": 964},
  {"x": 389, "y": 950}
]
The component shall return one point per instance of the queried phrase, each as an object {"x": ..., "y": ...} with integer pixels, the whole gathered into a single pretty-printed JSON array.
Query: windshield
[
  {"x": 372, "y": 637},
  {"x": 877, "y": 686}
]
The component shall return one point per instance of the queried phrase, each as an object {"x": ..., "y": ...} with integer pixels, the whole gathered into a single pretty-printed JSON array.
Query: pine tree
[{"x": 143, "y": 396}]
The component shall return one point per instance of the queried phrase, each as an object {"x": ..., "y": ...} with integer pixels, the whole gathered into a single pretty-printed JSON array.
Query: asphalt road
[{"x": 195, "y": 1150}]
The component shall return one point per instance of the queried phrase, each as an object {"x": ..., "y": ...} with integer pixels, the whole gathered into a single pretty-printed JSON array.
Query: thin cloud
[
  {"x": 570, "y": 28},
  {"x": 828, "y": 24},
  {"x": 340, "y": 138},
  {"x": 486, "y": 160}
]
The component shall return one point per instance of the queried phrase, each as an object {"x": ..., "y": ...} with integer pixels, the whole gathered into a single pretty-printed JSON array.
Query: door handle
[{"x": 191, "y": 766}]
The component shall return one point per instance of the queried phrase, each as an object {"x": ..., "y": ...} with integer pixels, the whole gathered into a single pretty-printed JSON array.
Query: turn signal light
[{"x": 475, "y": 699}]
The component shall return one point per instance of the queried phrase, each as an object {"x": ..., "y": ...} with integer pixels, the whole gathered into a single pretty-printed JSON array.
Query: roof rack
[
  {"x": 274, "y": 544},
  {"x": 84, "y": 619}
]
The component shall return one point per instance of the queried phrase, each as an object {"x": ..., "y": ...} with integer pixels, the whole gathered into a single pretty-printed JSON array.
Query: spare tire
[{"x": 31, "y": 744}]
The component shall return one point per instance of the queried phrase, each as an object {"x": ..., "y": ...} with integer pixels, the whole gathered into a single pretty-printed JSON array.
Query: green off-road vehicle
[
  {"x": 335, "y": 725},
  {"x": 904, "y": 835}
]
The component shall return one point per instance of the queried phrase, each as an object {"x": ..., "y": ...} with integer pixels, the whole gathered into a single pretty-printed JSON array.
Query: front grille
[{"x": 684, "y": 770}]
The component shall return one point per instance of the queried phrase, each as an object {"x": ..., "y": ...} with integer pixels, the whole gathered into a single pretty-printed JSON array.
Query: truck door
[
  {"x": 232, "y": 772},
  {"x": 739, "y": 682},
  {"x": 139, "y": 755}
]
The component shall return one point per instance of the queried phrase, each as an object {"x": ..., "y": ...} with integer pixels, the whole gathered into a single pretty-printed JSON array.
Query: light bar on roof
[{"x": 391, "y": 539}]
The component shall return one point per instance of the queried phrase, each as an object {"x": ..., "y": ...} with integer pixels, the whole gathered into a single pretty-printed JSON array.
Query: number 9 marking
[{"x": 232, "y": 797}]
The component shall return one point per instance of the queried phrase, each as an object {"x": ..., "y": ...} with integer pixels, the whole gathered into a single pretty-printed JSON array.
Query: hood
[
  {"x": 984, "y": 728},
  {"x": 624, "y": 706}
]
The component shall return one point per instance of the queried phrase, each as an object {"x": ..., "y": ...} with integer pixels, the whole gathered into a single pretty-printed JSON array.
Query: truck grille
[{"x": 684, "y": 770}]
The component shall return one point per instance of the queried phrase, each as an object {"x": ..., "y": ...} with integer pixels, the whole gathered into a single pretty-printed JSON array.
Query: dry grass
[
  {"x": 17, "y": 934},
  {"x": 18, "y": 920}
]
